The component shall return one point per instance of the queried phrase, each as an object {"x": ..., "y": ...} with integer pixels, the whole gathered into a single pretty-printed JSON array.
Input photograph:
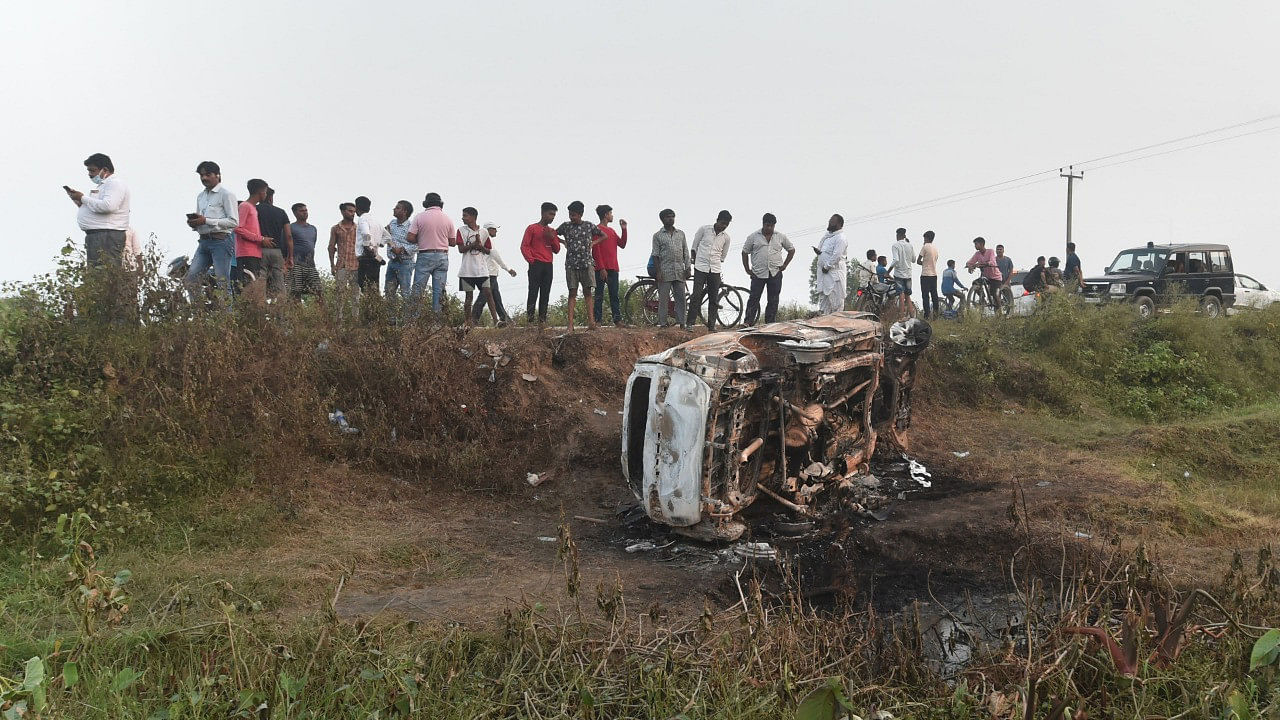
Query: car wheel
[
  {"x": 1146, "y": 307},
  {"x": 1211, "y": 306}
]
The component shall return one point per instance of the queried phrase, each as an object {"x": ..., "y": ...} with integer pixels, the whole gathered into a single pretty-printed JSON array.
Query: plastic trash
[
  {"x": 1083, "y": 536},
  {"x": 959, "y": 454},
  {"x": 535, "y": 479},
  {"x": 1043, "y": 483},
  {"x": 530, "y": 378},
  {"x": 337, "y": 418},
  {"x": 757, "y": 550},
  {"x": 642, "y": 546},
  {"x": 602, "y": 413},
  {"x": 919, "y": 473},
  {"x": 546, "y": 538}
]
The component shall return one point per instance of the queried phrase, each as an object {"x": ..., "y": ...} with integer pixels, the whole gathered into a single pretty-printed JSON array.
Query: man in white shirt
[
  {"x": 710, "y": 247},
  {"x": 370, "y": 236},
  {"x": 496, "y": 265},
  {"x": 762, "y": 258},
  {"x": 473, "y": 272},
  {"x": 104, "y": 212},
  {"x": 831, "y": 267},
  {"x": 900, "y": 267}
]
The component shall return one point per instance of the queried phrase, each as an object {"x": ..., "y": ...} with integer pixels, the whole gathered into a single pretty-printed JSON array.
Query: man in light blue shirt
[
  {"x": 401, "y": 254},
  {"x": 214, "y": 220}
]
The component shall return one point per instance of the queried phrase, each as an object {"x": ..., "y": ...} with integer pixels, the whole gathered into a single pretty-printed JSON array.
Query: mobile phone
[
  {"x": 67, "y": 188},
  {"x": 192, "y": 216}
]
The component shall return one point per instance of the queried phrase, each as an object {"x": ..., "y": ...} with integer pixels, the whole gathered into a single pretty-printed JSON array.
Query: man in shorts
[
  {"x": 304, "y": 279},
  {"x": 579, "y": 265},
  {"x": 473, "y": 272},
  {"x": 903, "y": 256}
]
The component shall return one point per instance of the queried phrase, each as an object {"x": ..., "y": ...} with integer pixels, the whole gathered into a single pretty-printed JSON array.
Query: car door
[
  {"x": 1246, "y": 292},
  {"x": 1222, "y": 275},
  {"x": 1197, "y": 277},
  {"x": 1175, "y": 276}
]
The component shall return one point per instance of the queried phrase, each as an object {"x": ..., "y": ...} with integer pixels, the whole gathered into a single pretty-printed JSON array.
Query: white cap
[{"x": 489, "y": 225}]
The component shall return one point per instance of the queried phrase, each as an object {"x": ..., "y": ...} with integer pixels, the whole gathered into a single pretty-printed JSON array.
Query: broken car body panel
[
  {"x": 710, "y": 424},
  {"x": 670, "y": 453}
]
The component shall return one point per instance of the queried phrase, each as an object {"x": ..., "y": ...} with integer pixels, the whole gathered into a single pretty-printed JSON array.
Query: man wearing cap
[
  {"x": 496, "y": 265},
  {"x": 764, "y": 260},
  {"x": 433, "y": 232},
  {"x": 605, "y": 255},
  {"x": 710, "y": 248}
]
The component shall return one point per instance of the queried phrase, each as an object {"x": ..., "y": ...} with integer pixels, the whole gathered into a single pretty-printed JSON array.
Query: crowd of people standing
[{"x": 253, "y": 249}]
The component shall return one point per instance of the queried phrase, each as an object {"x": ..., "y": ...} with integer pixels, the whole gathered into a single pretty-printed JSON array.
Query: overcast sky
[{"x": 800, "y": 109}]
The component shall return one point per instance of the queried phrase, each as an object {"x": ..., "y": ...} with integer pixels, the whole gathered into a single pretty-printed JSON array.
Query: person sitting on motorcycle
[
  {"x": 864, "y": 271},
  {"x": 951, "y": 281},
  {"x": 1053, "y": 276},
  {"x": 882, "y": 269},
  {"x": 985, "y": 260}
]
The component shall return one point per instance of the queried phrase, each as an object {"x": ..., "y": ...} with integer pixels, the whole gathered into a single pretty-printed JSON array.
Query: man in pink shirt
[
  {"x": 249, "y": 238},
  {"x": 433, "y": 232},
  {"x": 985, "y": 260}
]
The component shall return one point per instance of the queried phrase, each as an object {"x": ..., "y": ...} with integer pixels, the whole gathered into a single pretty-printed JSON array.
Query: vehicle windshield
[{"x": 1145, "y": 260}]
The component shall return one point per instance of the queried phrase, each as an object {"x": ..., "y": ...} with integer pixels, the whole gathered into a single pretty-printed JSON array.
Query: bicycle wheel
[
  {"x": 1006, "y": 302},
  {"x": 731, "y": 304},
  {"x": 975, "y": 299},
  {"x": 633, "y": 304}
]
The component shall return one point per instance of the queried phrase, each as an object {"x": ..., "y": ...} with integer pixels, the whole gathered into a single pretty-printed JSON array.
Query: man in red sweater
[
  {"x": 538, "y": 245},
  {"x": 250, "y": 241},
  {"x": 605, "y": 254}
]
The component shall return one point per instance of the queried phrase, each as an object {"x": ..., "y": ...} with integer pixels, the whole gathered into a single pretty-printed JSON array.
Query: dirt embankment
[{"x": 470, "y": 544}]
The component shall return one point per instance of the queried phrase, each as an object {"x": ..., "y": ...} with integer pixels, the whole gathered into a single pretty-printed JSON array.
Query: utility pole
[{"x": 1071, "y": 175}]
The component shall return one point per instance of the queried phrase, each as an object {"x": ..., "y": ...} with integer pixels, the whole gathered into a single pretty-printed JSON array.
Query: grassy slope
[{"x": 208, "y": 575}]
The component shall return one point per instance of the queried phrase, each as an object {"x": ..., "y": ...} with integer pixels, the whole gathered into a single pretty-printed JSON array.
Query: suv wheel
[
  {"x": 1146, "y": 307},
  {"x": 1211, "y": 306}
]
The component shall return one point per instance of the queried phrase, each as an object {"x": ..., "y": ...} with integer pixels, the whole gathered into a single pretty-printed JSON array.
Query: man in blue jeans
[
  {"x": 434, "y": 233},
  {"x": 401, "y": 256},
  {"x": 215, "y": 218}
]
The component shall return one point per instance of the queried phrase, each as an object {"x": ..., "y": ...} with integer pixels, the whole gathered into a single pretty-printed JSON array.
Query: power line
[
  {"x": 1215, "y": 131},
  {"x": 1000, "y": 186},
  {"x": 1187, "y": 147}
]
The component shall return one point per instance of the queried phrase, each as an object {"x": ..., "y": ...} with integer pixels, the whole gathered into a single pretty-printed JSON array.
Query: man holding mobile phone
[
  {"x": 104, "y": 212},
  {"x": 214, "y": 219}
]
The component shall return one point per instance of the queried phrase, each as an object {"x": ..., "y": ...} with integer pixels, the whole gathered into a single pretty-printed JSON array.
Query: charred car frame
[{"x": 783, "y": 410}]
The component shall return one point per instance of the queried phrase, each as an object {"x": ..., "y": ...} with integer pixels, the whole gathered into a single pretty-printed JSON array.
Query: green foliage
[
  {"x": 1071, "y": 357},
  {"x": 1266, "y": 651}
]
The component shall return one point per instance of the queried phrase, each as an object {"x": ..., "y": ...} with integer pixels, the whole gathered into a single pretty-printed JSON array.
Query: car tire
[
  {"x": 1146, "y": 307},
  {"x": 1211, "y": 306}
]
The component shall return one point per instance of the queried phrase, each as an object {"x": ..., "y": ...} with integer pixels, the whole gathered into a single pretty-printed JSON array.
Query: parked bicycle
[
  {"x": 882, "y": 299},
  {"x": 983, "y": 294},
  {"x": 644, "y": 293}
]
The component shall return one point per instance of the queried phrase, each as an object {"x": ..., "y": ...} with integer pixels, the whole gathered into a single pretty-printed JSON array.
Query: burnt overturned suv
[
  {"x": 1157, "y": 275},
  {"x": 712, "y": 424}
]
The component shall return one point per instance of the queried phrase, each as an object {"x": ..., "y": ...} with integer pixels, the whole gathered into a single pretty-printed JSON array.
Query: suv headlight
[{"x": 1118, "y": 289}]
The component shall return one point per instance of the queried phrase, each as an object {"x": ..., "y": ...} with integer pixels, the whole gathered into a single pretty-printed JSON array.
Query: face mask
[{"x": 97, "y": 179}]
